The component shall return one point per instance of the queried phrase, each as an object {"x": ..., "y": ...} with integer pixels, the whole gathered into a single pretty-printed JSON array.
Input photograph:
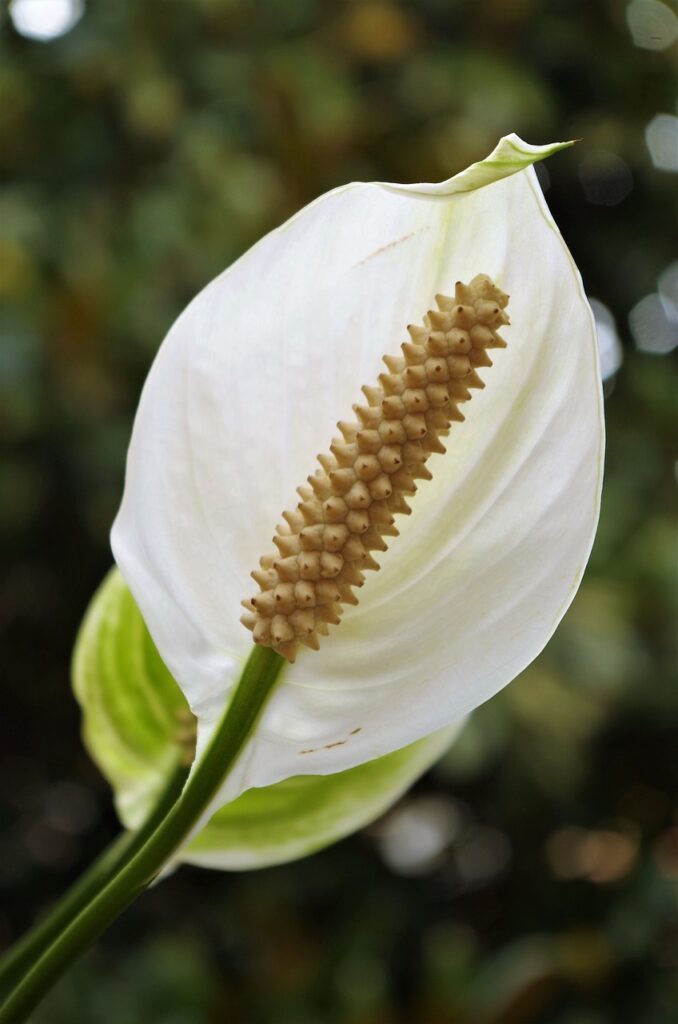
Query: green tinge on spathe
[
  {"x": 131, "y": 704},
  {"x": 134, "y": 712}
]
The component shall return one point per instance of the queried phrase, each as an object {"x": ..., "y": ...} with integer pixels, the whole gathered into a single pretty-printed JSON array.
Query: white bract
[{"x": 247, "y": 388}]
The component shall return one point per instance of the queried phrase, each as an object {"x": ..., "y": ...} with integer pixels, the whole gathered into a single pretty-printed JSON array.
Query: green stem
[
  {"x": 24, "y": 953},
  {"x": 256, "y": 682}
]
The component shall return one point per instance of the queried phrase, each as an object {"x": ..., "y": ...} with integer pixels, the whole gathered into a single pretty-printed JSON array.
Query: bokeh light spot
[
  {"x": 667, "y": 287},
  {"x": 652, "y": 24},
  {"x": 45, "y": 19},
  {"x": 483, "y": 854},
  {"x": 651, "y": 328},
  {"x": 661, "y": 137},
  {"x": 605, "y": 178},
  {"x": 609, "y": 346},
  {"x": 378, "y": 31},
  {"x": 601, "y": 856},
  {"x": 416, "y": 834}
]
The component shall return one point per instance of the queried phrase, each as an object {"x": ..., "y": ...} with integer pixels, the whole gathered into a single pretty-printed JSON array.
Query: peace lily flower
[{"x": 247, "y": 388}]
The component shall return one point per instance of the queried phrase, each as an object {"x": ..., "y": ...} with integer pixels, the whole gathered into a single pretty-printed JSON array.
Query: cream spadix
[
  {"x": 248, "y": 386},
  {"x": 326, "y": 544}
]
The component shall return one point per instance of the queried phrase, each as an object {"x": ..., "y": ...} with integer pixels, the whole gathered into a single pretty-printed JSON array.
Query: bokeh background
[{"x": 144, "y": 144}]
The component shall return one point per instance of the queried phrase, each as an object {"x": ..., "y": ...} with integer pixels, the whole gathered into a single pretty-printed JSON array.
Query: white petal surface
[{"x": 248, "y": 386}]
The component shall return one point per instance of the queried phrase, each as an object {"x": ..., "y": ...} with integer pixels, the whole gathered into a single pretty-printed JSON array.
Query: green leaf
[{"x": 137, "y": 725}]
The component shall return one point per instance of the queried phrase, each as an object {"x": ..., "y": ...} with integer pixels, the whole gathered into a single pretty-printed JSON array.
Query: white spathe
[{"x": 247, "y": 388}]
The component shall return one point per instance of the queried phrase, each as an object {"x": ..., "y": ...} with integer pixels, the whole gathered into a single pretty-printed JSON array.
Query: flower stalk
[{"x": 107, "y": 903}]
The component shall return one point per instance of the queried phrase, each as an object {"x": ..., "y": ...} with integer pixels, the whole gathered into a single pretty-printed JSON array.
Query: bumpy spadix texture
[{"x": 325, "y": 545}]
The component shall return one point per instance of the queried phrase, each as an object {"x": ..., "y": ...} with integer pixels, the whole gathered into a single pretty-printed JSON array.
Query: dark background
[{"x": 531, "y": 877}]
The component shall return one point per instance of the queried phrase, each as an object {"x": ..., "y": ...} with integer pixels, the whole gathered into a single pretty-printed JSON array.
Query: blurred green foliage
[{"x": 142, "y": 152}]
